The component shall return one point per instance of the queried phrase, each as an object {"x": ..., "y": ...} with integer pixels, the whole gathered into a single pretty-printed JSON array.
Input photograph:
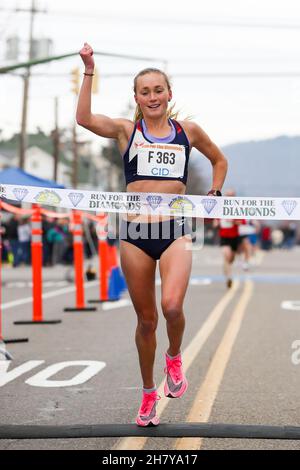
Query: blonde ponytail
[{"x": 138, "y": 115}]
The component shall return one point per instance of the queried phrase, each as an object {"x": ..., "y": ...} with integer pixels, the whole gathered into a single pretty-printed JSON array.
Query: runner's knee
[
  {"x": 172, "y": 309},
  {"x": 229, "y": 257},
  {"x": 147, "y": 327}
]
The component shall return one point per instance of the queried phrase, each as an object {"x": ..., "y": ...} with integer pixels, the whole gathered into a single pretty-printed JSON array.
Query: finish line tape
[{"x": 207, "y": 207}]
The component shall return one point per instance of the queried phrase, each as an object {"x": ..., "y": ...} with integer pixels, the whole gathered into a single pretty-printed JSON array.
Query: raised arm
[
  {"x": 200, "y": 140},
  {"x": 104, "y": 126}
]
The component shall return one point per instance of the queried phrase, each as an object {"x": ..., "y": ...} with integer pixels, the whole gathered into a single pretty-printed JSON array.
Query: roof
[{"x": 15, "y": 175}]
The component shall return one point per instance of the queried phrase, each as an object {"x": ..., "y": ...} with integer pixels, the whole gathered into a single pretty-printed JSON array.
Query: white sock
[
  {"x": 173, "y": 357},
  {"x": 149, "y": 390}
]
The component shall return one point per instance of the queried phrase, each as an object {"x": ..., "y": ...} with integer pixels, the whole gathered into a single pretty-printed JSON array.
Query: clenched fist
[{"x": 86, "y": 53}]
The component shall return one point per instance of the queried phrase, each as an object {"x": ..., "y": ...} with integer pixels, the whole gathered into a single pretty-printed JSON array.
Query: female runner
[{"x": 148, "y": 170}]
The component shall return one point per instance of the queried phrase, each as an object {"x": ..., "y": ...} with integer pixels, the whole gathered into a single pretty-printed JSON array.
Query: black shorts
[
  {"x": 154, "y": 238},
  {"x": 234, "y": 243}
]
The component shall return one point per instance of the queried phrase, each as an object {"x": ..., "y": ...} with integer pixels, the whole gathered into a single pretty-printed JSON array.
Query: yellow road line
[
  {"x": 202, "y": 407},
  {"x": 189, "y": 354}
]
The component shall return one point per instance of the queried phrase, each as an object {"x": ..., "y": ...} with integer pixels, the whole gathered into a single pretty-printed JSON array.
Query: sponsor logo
[
  {"x": 115, "y": 202},
  {"x": 137, "y": 144},
  {"x": 51, "y": 198},
  {"x": 251, "y": 212},
  {"x": 75, "y": 198},
  {"x": 20, "y": 193},
  {"x": 181, "y": 204},
  {"x": 289, "y": 206},
  {"x": 154, "y": 201},
  {"x": 209, "y": 204},
  {"x": 2, "y": 191},
  {"x": 180, "y": 222},
  {"x": 160, "y": 171},
  {"x": 252, "y": 208}
]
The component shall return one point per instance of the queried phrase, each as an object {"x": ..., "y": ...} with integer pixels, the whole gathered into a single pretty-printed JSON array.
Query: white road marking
[
  {"x": 6, "y": 377},
  {"x": 290, "y": 304},
  {"x": 105, "y": 306},
  {"x": 188, "y": 356},
  {"x": 200, "y": 282},
  {"x": 192, "y": 282},
  {"x": 295, "y": 358},
  {"x": 24, "y": 284},
  {"x": 42, "y": 378},
  {"x": 48, "y": 295},
  {"x": 205, "y": 398},
  {"x": 118, "y": 304}
]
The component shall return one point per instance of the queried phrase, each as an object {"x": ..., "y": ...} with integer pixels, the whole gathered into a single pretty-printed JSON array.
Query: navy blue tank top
[{"x": 154, "y": 158}]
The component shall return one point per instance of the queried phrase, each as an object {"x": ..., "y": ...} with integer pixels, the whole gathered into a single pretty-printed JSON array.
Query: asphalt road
[{"x": 239, "y": 352}]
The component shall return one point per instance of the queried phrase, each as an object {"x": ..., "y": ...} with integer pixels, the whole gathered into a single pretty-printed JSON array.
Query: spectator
[
  {"x": 290, "y": 236},
  {"x": 4, "y": 251},
  {"x": 12, "y": 236},
  {"x": 67, "y": 256},
  {"x": 55, "y": 236},
  {"x": 24, "y": 236},
  {"x": 266, "y": 238},
  {"x": 47, "y": 223}
]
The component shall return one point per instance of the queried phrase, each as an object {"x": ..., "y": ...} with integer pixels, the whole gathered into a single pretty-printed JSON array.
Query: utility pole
[
  {"x": 75, "y": 157},
  {"x": 23, "y": 136},
  {"x": 75, "y": 73},
  {"x": 55, "y": 139}
]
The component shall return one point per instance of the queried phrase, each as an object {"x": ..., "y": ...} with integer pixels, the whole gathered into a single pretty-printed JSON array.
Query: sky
[{"x": 216, "y": 37}]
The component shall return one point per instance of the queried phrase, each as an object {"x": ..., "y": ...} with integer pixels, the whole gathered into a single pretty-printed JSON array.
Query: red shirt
[{"x": 229, "y": 228}]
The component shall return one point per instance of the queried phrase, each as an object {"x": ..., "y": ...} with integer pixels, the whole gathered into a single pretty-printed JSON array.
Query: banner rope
[{"x": 208, "y": 207}]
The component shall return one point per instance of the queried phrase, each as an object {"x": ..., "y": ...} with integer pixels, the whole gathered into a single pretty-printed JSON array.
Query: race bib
[{"x": 167, "y": 160}]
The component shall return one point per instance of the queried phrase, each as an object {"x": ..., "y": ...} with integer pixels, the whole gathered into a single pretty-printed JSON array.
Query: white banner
[{"x": 261, "y": 208}]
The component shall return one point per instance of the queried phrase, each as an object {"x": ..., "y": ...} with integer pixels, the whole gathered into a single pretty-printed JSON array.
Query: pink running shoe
[
  {"x": 176, "y": 383},
  {"x": 147, "y": 412}
]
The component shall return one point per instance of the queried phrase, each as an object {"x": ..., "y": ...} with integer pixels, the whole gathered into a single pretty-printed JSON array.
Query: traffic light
[
  {"x": 95, "y": 83},
  {"x": 75, "y": 80}
]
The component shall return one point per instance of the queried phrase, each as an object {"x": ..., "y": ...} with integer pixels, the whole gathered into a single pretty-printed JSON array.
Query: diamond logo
[
  {"x": 289, "y": 206},
  {"x": 209, "y": 204},
  {"x": 20, "y": 193},
  {"x": 75, "y": 198},
  {"x": 154, "y": 201}
]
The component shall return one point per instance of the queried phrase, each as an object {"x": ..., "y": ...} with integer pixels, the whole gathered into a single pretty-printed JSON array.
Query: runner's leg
[
  {"x": 139, "y": 271},
  {"x": 175, "y": 268},
  {"x": 228, "y": 258}
]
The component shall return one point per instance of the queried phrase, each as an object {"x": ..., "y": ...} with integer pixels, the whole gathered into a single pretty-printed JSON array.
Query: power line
[
  {"x": 45, "y": 60},
  {"x": 228, "y": 24},
  {"x": 237, "y": 75},
  {"x": 176, "y": 21},
  {"x": 292, "y": 74},
  {"x": 23, "y": 135},
  {"x": 171, "y": 21}
]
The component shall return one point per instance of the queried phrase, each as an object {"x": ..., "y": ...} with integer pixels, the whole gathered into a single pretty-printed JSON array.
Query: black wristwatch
[{"x": 214, "y": 192}]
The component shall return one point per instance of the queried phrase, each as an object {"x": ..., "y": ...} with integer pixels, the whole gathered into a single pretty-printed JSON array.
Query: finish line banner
[{"x": 158, "y": 203}]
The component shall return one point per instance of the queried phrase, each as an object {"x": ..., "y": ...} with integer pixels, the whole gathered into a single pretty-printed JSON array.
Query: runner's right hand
[{"x": 86, "y": 54}]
